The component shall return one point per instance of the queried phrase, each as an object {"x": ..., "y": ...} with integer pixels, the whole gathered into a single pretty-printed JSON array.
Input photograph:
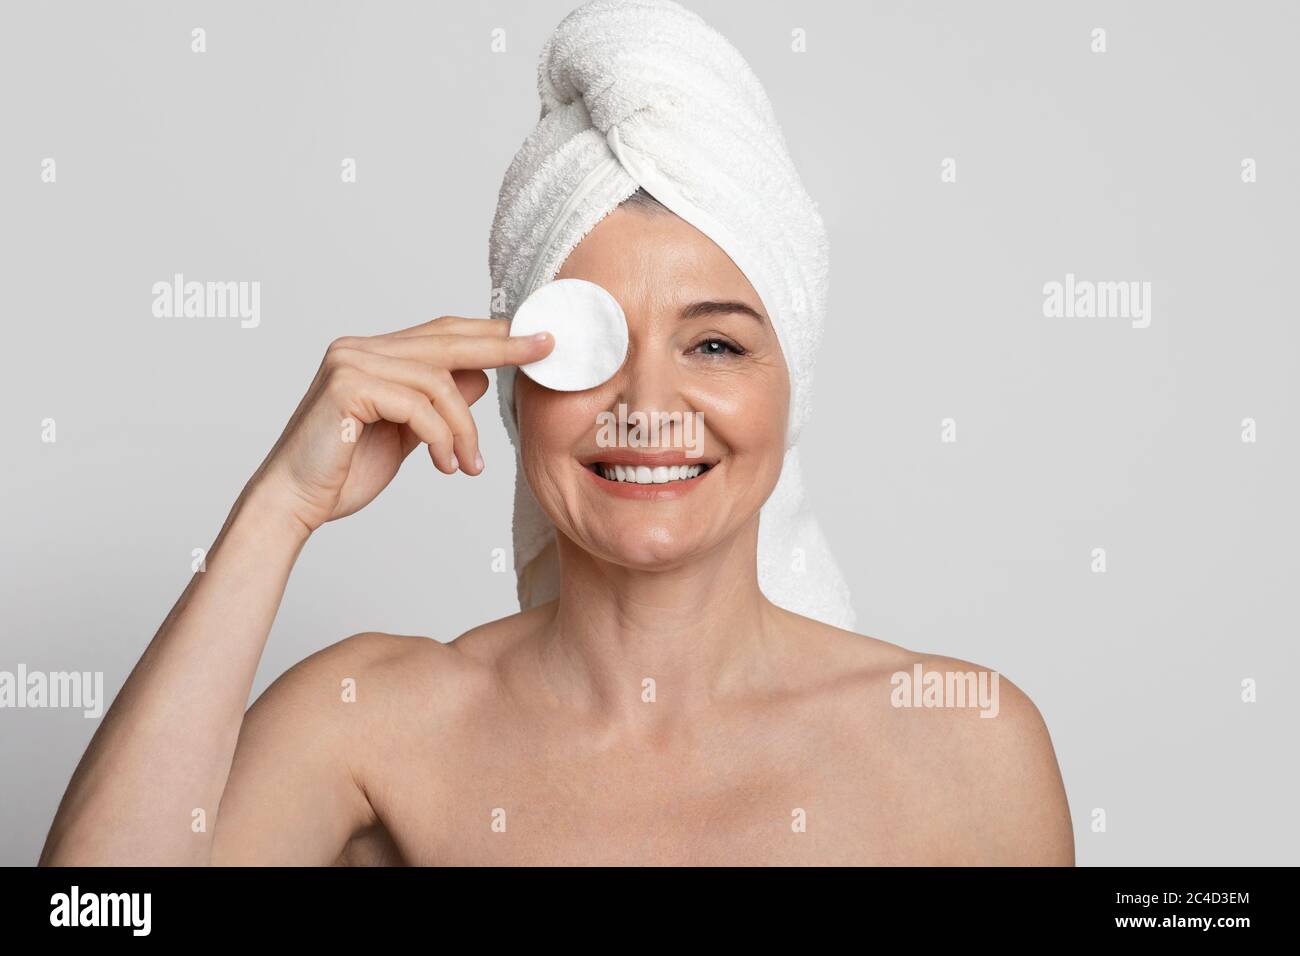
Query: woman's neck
[{"x": 647, "y": 648}]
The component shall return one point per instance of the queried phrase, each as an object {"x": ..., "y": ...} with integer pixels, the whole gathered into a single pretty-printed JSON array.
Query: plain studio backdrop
[{"x": 1072, "y": 434}]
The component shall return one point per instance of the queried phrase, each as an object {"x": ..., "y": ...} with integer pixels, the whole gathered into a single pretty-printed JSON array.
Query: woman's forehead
[{"x": 651, "y": 260}]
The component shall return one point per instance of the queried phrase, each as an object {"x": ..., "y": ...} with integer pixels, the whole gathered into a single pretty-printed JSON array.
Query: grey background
[{"x": 1072, "y": 433}]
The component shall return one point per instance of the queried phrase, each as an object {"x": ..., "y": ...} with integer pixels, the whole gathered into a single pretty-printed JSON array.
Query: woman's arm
[{"x": 151, "y": 784}]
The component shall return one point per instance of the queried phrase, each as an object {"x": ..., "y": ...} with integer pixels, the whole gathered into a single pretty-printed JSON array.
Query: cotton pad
[{"x": 589, "y": 328}]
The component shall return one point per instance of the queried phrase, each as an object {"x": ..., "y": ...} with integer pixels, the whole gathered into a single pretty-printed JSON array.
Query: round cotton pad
[{"x": 590, "y": 333}]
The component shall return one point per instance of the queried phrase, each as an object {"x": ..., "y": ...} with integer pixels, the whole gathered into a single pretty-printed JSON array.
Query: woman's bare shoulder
[
  {"x": 415, "y": 676},
  {"x": 399, "y": 666},
  {"x": 974, "y": 739},
  {"x": 891, "y": 676},
  {"x": 323, "y": 739}
]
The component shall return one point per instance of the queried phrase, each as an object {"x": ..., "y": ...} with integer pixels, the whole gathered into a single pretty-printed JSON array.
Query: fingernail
[
  {"x": 540, "y": 336},
  {"x": 454, "y": 463},
  {"x": 478, "y": 461}
]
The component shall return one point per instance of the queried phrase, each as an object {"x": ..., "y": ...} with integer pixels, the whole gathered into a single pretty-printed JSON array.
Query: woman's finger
[
  {"x": 457, "y": 351},
  {"x": 472, "y": 382},
  {"x": 434, "y": 383},
  {"x": 454, "y": 325},
  {"x": 370, "y": 399}
]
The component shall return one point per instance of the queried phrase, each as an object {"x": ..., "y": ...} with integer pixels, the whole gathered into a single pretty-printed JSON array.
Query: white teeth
[{"x": 644, "y": 475}]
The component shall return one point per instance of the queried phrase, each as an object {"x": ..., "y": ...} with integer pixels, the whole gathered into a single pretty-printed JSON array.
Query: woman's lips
[{"x": 646, "y": 466}]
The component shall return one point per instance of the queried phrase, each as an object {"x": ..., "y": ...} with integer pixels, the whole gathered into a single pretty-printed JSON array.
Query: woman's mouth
[{"x": 647, "y": 475}]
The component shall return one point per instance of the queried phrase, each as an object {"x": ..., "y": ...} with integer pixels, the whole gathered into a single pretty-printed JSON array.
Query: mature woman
[{"x": 682, "y": 685}]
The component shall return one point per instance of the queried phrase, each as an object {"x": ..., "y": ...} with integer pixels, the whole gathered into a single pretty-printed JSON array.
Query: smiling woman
[
  {"x": 682, "y": 684},
  {"x": 723, "y": 365}
]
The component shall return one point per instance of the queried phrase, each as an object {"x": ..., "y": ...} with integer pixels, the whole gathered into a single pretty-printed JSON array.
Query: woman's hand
[{"x": 374, "y": 399}]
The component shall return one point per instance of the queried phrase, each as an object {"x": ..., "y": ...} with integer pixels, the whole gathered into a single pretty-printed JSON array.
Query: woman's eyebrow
[{"x": 697, "y": 309}]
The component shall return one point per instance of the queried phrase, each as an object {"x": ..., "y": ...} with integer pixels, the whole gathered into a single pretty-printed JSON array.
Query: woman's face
[{"x": 701, "y": 345}]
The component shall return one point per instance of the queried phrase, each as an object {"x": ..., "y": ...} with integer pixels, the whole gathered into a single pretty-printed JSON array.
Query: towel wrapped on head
[{"x": 644, "y": 94}]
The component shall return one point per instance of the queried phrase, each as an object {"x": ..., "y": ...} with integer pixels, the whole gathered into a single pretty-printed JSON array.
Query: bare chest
[{"x": 517, "y": 799}]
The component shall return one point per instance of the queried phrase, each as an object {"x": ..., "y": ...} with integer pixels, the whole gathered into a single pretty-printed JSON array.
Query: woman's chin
[{"x": 658, "y": 547}]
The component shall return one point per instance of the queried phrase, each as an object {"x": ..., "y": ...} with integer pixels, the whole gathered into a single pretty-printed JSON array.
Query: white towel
[{"x": 645, "y": 93}]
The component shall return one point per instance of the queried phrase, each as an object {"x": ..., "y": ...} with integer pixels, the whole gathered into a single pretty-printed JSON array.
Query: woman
[{"x": 652, "y": 704}]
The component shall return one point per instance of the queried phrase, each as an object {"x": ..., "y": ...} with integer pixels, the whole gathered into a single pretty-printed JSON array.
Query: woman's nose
[
  {"x": 648, "y": 380},
  {"x": 650, "y": 390}
]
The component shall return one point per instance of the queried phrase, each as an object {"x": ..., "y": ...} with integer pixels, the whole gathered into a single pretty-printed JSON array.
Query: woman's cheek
[
  {"x": 552, "y": 427},
  {"x": 743, "y": 411}
]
